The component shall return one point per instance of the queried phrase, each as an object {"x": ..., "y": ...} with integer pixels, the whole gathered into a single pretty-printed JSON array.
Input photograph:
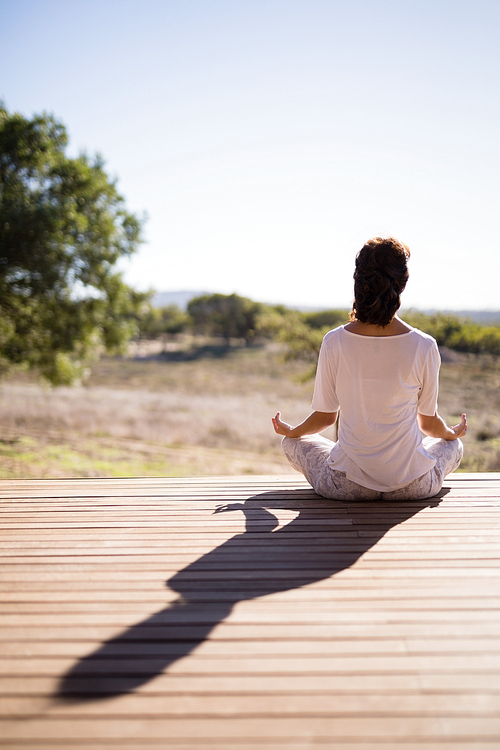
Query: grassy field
[{"x": 199, "y": 410}]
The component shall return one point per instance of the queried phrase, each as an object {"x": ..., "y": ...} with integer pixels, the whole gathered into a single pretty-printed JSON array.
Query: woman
[{"x": 383, "y": 376}]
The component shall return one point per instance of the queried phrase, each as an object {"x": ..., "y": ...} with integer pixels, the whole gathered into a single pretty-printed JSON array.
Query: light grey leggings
[{"x": 310, "y": 454}]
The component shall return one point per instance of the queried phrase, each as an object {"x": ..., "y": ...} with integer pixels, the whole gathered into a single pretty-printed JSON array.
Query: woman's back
[{"x": 378, "y": 383}]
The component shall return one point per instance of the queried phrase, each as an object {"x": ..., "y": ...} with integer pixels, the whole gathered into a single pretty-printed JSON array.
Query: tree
[
  {"x": 159, "y": 321},
  {"x": 63, "y": 227},
  {"x": 229, "y": 316}
]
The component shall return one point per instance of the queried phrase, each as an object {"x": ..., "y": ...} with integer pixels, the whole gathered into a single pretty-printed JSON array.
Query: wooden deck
[{"x": 246, "y": 612}]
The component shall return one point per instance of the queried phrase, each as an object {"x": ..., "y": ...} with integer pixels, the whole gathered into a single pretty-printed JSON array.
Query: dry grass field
[{"x": 199, "y": 410}]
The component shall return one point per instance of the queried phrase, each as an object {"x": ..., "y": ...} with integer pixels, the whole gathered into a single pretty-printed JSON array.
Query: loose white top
[{"x": 379, "y": 383}]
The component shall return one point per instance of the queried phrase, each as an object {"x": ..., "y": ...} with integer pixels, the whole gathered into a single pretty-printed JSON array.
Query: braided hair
[{"x": 380, "y": 276}]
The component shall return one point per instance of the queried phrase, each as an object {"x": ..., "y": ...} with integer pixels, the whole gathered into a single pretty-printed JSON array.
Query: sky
[{"x": 267, "y": 140}]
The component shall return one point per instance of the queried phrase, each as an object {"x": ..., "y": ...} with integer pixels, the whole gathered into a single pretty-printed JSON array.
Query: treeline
[{"x": 239, "y": 319}]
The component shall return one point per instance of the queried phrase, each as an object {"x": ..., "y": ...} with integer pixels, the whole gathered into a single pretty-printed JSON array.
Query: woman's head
[{"x": 380, "y": 276}]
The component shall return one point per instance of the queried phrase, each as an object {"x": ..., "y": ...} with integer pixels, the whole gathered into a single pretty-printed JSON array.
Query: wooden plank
[
  {"x": 142, "y": 600},
  {"x": 82, "y": 573},
  {"x": 232, "y": 664},
  {"x": 251, "y": 704},
  {"x": 269, "y": 685},
  {"x": 258, "y": 743},
  {"x": 231, "y": 630},
  {"x": 249, "y": 615},
  {"x": 288, "y": 728},
  {"x": 75, "y": 648},
  {"x": 104, "y": 605}
]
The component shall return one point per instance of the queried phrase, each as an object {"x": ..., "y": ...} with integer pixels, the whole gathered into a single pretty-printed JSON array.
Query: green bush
[{"x": 456, "y": 333}]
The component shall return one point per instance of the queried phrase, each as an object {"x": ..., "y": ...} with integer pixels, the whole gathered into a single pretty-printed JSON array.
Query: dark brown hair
[{"x": 380, "y": 276}]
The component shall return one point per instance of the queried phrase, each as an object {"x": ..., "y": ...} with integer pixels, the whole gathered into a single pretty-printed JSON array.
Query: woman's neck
[{"x": 395, "y": 328}]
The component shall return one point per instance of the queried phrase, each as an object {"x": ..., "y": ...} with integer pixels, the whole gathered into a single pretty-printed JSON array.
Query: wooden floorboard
[{"x": 247, "y": 612}]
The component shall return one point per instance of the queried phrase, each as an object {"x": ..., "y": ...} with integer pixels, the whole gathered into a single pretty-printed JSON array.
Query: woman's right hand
[
  {"x": 461, "y": 428},
  {"x": 280, "y": 427}
]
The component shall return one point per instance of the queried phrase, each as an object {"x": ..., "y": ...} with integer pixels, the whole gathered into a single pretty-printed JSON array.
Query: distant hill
[
  {"x": 181, "y": 299},
  {"x": 483, "y": 317}
]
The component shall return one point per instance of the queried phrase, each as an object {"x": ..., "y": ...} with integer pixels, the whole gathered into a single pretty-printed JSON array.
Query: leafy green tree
[
  {"x": 302, "y": 342},
  {"x": 63, "y": 227},
  {"x": 272, "y": 319},
  {"x": 229, "y": 316},
  {"x": 157, "y": 321}
]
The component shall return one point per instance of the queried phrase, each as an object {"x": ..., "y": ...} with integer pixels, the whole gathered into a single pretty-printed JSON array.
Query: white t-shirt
[{"x": 379, "y": 383}]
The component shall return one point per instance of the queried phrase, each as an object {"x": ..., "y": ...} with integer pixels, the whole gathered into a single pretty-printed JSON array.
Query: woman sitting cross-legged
[{"x": 382, "y": 375}]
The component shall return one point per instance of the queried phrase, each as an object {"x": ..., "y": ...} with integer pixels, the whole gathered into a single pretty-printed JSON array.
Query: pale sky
[{"x": 268, "y": 139}]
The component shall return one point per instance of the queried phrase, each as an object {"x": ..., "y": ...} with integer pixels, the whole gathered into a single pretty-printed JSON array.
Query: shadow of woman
[{"x": 324, "y": 538}]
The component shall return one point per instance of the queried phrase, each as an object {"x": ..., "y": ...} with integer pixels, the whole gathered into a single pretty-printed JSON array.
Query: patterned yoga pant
[{"x": 310, "y": 454}]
